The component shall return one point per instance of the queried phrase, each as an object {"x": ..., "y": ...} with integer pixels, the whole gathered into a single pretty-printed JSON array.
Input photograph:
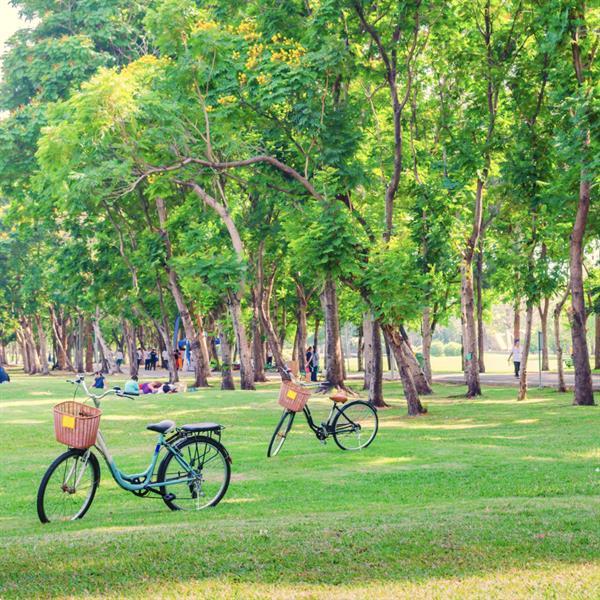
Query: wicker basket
[
  {"x": 76, "y": 424},
  {"x": 293, "y": 396}
]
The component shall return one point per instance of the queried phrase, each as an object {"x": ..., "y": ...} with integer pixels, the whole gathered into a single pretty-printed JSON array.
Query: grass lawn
[
  {"x": 495, "y": 362},
  {"x": 488, "y": 498}
]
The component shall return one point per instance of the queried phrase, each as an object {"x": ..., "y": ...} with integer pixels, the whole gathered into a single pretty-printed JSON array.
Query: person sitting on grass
[
  {"x": 132, "y": 386},
  {"x": 4, "y": 376},
  {"x": 98, "y": 380}
]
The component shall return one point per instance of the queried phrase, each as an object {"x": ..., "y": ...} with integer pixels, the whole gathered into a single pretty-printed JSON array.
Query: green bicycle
[{"x": 193, "y": 474}]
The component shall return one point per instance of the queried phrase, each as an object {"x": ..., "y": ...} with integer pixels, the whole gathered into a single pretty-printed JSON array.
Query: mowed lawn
[{"x": 486, "y": 498}]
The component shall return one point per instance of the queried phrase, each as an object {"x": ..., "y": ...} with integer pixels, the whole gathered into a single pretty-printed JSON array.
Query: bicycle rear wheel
[
  {"x": 280, "y": 433},
  {"x": 207, "y": 486},
  {"x": 68, "y": 487},
  {"x": 355, "y": 426}
]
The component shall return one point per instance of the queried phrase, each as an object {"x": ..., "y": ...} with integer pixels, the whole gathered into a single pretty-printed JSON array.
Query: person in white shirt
[
  {"x": 119, "y": 358},
  {"x": 516, "y": 357},
  {"x": 165, "y": 359}
]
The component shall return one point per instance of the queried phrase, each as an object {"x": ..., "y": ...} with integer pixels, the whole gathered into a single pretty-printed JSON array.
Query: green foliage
[
  {"x": 452, "y": 349},
  {"x": 437, "y": 348}
]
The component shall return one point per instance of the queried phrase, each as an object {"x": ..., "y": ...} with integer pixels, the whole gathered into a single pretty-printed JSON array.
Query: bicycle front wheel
[
  {"x": 280, "y": 433},
  {"x": 68, "y": 487},
  {"x": 355, "y": 426},
  {"x": 209, "y": 481}
]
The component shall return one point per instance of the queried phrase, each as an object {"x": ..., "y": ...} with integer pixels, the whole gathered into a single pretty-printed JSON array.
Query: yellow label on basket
[
  {"x": 291, "y": 394},
  {"x": 68, "y": 421}
]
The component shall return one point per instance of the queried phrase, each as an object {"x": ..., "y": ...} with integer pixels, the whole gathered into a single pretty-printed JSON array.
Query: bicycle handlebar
[{"x": 117, "y": 391}]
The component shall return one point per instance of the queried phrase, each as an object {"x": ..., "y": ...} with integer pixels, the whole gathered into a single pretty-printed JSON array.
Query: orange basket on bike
[
  {"x": 76, "y": 424},
  {"x": 293, "y": 396}
]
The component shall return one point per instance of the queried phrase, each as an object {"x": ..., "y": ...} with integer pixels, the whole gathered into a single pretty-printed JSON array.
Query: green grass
[
  {"x": 486, "y": 498},
  {"x": 495, "y": 362}
]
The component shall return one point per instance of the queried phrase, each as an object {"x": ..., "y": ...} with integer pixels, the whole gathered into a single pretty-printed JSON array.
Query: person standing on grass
[
  {"x": 314, "y": 364},
  {"x": 146, "y": 360},
  {"x": 165, "y": 359},
  {"x": 153, "y": 359},
  {"x": 139, "y": 356},
  {"x": 119, "y": 358},
  {"x": 516, "y": 357}
]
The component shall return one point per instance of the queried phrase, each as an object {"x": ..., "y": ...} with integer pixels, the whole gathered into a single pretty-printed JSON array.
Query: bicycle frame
[
  {"x": 311, "y": 423},
  {"x": 126, "y": 480}
]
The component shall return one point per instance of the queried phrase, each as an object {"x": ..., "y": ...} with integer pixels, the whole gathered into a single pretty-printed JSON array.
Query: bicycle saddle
[
  {"x": 338, "y": 397},
  {"x": 202, "y": 427},
  {"x": 161, "y": 427}
]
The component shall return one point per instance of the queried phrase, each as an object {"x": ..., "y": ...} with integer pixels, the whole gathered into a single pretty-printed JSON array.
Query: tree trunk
[
  {"x": 226, "y": 374},
  {"x": 257, "y": 338},
  {"x": 316, "y": 332},
  {"x": 24, "y": 351},
  {"x": 396, "y": 343},
  {"x": 131, "y": 348},
  {"x": 584, "y": 394},
  {"x": 89, "y": 347},
  {"x": 517, "y": 321},
  {"x": 214, "y": 356},
  {"x": 264, "y": 305},
  {"x": 478, "y": 281},
  {"x": 333, "y": 345},
  {"x": 359, "y": 350},
  {"x": 165, "y": 333},
  {"x": 543, "y": 311},
  {"x": 367, "y": 329},
  {"x": 43, "y": 345},
  {"x": 272, "y": 336},
  {"x": 302, "y": 328},
  {"x": 525, "y": 353},
  {"x": 243, "y": 349},
  {"x": 376, "y": 366},
  {"x": 31, "y": 348},
  {"x": 282, "y": 326},
  {"x": 203, "y": 347},
  {"x": 427, "y": 335},
  {"x": 388, "y": 353},
  {"x": 59, "y": 326},
  {"x": 79, "y": 344},
  {"x": 470, "y": 342},
  {"x": 200, "y": 368},
  {"x": 597, "y": 342},
  {"x": 419, "y": 378},
  {"x": 107, "y": 353},
  {"x": 559, "y": 351}
]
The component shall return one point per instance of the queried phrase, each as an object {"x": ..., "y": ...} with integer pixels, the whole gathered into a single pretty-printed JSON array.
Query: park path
[{"x": 549, "y": 379}]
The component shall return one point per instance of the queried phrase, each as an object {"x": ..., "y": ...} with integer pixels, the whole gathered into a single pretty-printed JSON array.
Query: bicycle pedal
[{"x": 169, "y": 497}]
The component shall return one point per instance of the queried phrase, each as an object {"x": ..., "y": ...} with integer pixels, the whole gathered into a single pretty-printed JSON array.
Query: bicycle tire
[
  {"x": 278, "y": 438},
  {"x": 43, "y": 509},
  {"x": 346, "y": 423},
  {"x": 193, "y": 502}
]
